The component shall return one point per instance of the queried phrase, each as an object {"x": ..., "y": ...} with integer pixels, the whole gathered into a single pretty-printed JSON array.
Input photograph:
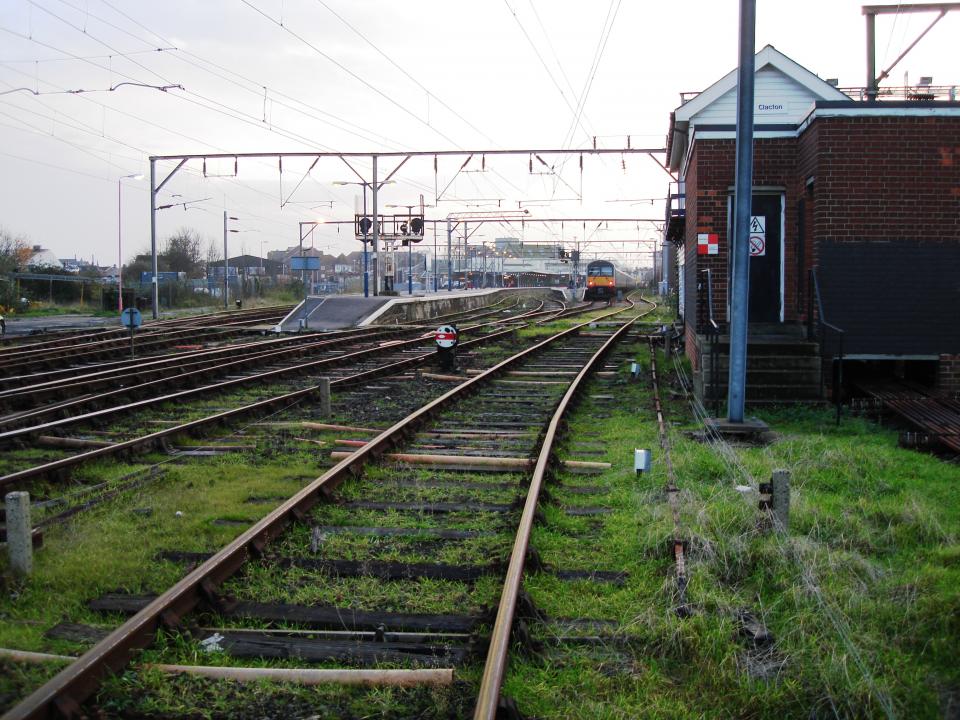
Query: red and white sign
[
  {"x": 708, "y": 244},
  {"x": 446, "y": 336}
]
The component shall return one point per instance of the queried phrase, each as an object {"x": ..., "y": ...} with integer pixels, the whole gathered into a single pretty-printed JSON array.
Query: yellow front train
[{"x": 604, "y": 280}]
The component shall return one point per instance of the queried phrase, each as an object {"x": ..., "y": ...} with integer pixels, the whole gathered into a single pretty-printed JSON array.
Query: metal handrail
[
  {"x": 713, "y": 331},
  {"x": 822, "y": 325}
]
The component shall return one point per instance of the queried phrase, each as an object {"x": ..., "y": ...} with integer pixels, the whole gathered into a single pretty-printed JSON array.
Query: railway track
[
  {"x": 289, "y": 382},
  {"x": 935, "y": 416},
  {"x": 103, "y": 344},
  {"x": 508, "y": 430}
]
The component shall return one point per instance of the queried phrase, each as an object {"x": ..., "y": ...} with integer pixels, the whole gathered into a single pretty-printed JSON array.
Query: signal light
[
  {"x": 416, "y": 226},
  {"x": 363, "y": 225}
]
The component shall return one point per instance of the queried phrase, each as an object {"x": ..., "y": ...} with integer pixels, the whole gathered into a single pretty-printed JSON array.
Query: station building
[{"x": 855, "y": 234}]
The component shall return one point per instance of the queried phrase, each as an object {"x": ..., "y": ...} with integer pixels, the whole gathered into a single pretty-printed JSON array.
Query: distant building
[
  {"x": 40, "y": 257},
  {"x": 252, "y": 265}
]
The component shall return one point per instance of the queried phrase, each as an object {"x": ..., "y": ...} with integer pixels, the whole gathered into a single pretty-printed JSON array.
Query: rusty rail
[
  {"x": 62, "y": 695},
  {"x": 488, "y": 697}
]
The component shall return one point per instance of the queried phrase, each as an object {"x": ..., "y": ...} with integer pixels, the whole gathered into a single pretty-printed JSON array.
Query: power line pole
[
  {"x": 743, "y": 198},
  {"x": 226, "y": 265},
  {"x": 376, "y": 233},
  {"x": 153, "y": 237}
]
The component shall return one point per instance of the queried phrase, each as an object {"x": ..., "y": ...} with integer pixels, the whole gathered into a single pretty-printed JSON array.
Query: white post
[
  {"x": 780, "y": 501},
  {"x": 19, "y": 532},
  {"x": 325, "y": 396}
]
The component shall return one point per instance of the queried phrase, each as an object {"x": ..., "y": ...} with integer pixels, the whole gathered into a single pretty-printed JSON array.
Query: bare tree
[
  {"x": 214, "y": 252},
  {"x": 14, "y": 251},
  {"x": 184, "y": 252}
]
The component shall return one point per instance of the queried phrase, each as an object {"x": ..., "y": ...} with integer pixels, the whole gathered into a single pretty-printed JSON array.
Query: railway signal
[{"x": 447, "y": 337}]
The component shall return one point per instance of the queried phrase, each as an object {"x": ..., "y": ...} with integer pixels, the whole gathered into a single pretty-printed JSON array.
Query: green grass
[
  {"x": 861, "y": 595},
  {"x": 869, "y": 570}
]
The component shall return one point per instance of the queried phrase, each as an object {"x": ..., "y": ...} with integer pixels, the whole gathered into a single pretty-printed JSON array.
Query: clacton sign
[{"x": 771, "y": 107}]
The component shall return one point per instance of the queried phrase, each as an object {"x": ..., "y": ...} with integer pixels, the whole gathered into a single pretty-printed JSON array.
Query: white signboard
[{"x": 758, "y": 235}]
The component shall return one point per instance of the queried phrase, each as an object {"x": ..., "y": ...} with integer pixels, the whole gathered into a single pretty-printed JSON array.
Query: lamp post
[
  {"x": 120, "y": 180},
  {"x": 226, "y": 260},
  {"x": 312, "y": 224}
]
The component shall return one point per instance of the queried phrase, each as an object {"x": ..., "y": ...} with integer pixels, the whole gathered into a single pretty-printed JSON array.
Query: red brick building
[{"x": 856, "y": 222}]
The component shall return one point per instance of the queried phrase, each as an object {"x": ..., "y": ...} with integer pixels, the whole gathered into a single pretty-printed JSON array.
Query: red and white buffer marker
[{"x": 446, "y": 336}]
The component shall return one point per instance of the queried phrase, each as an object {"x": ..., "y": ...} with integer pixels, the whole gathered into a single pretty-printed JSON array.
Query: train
[{"x": 605, "y": 280}]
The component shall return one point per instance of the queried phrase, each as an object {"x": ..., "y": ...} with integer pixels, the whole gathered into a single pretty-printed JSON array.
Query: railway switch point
[{"x": 19, "y": 531}]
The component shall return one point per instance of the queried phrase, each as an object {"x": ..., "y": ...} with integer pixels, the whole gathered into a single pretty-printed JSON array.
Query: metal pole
[
  {"x": 376, "y": 234},
  {"x": 449, "y": 256},
  {"x": 743, "y": 197},
  {"x": 464, "y": 266},
  {"x": 153, "y": 237},
  {"x": 303, "y": 267},
  {"x": 226, "y": 264},
  {"x": 871, "y": 57},
  {"x": 366, "y": 271},
  {"x": 434, "y": 257},
  {"x": 409, "y": 252},
  {"x": 119, "y": 251}
]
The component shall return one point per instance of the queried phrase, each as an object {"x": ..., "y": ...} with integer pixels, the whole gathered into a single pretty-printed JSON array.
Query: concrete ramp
[{"x": 331, "y": 312}]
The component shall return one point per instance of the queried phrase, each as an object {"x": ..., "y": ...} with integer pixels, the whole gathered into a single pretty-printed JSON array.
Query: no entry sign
[{"x": 446, "y": 336}]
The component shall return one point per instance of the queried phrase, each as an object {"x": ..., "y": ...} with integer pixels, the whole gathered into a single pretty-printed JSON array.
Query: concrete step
[
  {"x": 769, "y": 362},
  {"x": 770, "y": 346},
  {"x": 771, "y": 377},
  {"x": 773, "y": 392}
]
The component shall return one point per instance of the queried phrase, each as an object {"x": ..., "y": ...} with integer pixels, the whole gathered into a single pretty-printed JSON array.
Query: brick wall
[
  {"x": 710, "y": 176},
  {"x": 948, "y": 375},
  {"x": 887, "y": 178},
  {"x": 882, "y": 179}
]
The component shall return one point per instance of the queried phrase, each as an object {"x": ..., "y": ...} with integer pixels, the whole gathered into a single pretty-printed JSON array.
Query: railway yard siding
[{"x": 661, "y": 594}]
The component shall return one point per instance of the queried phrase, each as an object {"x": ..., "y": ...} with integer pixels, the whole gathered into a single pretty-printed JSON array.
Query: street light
[
  {"x": 135, "y": 176},
  {"x": 313, "y": 226},
  {"x": 364, "y": 227}
]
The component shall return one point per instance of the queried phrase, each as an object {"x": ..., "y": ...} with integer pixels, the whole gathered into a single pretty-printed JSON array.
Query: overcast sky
[{"x": 312, "y": 75}]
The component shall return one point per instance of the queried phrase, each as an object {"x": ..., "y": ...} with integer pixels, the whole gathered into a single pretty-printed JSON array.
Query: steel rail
[
  {"x": 61, "y": 695},
  {"x": 673, "y": 492},
  {"x": 53, "y": 378},
  {"x": 186, "y": 375},
  {"x": 192, "y": 366},
  {"x": 109, "y": 338},
  {"x": 109, "y": 348},
  {"x": 18, "y": 418},
  {"x": 72, "y": 336},
  {"x": 488, "y": 696},
  {"x": 154, "y": 438}
]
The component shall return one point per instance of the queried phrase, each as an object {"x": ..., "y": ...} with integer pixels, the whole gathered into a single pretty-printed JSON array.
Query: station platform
[{"x": 336, "y": 312}]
